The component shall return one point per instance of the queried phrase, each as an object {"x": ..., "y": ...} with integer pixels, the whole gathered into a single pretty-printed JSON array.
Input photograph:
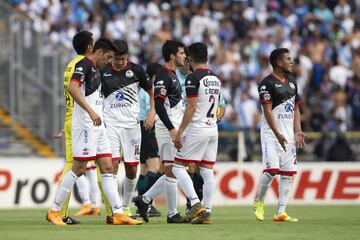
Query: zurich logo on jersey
[
  {"x": 288, "y": 107},
  {"x": 119, "y": 96}
]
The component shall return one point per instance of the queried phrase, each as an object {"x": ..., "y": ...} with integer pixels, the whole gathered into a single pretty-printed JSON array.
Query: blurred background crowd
[{"x": 323, "y": 37}]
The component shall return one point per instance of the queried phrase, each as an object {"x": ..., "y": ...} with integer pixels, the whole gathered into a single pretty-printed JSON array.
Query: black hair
[
  {"x": 153, "y": 68},
  {"x": 171, "y": 47},
  {"x": 198, "y": 52},
  {"x": 122, "y": 47},
  {"x": 81, "y": 42},
  {"x": 276, "y": 56},
  {"x": 105, "y": 44}
]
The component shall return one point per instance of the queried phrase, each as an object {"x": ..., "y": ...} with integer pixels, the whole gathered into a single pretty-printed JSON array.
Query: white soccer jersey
[
  {"x": 284, "y": 97},
  {"x": 120, "y": 89},
  {"x": 88, "y": 77},
  {"x": 204, "y": 85}
]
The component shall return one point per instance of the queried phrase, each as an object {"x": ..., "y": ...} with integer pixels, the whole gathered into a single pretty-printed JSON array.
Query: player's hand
[
  {"x": 149, "y": 121},
  {"x": 178, "y": 142},
  {"x": 300, "y": 139},
  {"x": 59, "y": 134},
  {"x": 282, "y": 140},
  {"x": 95, "y": 118}
]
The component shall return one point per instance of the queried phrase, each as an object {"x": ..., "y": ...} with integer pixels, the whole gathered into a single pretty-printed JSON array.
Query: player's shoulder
[
  {"x": 71, "y": 65},
  {"x": 106, "y": 69},
  {"x": 84, "y": 63},
  {"x": 268, "y": 80},
  {"x": 135, "y": 67}
]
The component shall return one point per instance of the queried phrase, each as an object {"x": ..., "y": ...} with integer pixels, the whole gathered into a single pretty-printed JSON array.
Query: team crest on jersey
[
  {"x": 163, "y": 91},
  {"x": 267, "y": 96},
  {"x": 129, "y": 74},
  {"x": 292, "y": 85},
  {"x": 85, "y": 151},
  {"x": 119, "y": 96}
]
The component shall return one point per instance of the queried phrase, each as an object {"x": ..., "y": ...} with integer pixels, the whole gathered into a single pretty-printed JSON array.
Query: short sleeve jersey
[
  {"x": 88, "y": 77},
  {"x": 120, "y": 90},
  {"x": 168, "y": 87},
  {"x": 284, "y": 97},
  {"x": 206, "y": 86}
]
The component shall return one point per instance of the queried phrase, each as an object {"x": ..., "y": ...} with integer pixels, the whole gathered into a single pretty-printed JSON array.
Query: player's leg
[
  {"x": 82, "y": 185},
  {"x": 94, "y": 189},
  {"x": 191, "y": 152},
  {"x": 108, "y": 210},
  {"x": 288, "y": 167},
  {"x": 207, "y": 173},
  {"x": 270, "y": 156},
  {"x": 107, "y": 178}
]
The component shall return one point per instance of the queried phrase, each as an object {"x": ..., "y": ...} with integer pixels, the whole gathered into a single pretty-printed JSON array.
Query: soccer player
[
  {"x": 280, "y": 132},
  {"x": 168, "y": 105},
  {"x": 89, "y": 138},
  {"x": 120, "y": 82},
  {"x": 197, "y": 137},
  {"x": 149, "y": 156}
]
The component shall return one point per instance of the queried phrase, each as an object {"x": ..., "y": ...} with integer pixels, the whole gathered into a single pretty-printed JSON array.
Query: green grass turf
[{"x": 315, "y": 222}]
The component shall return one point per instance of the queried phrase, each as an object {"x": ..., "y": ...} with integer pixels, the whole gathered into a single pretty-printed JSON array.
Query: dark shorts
[{"x": 149, "y": 147}]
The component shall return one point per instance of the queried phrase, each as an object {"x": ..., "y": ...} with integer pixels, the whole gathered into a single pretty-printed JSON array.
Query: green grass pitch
[{"x": 315, "y": 222}]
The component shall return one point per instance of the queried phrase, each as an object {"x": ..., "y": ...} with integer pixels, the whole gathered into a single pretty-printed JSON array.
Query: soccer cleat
[
  {"x": 202, "y": 219},
  {"x": 85, "y": 210},
  {"x": 177, "y": 218},
  {"x": 142, "y": 207},
  {"x": 259, "y": 210},
  {"x": 95, "y": 211},
  {"x": 55, "y": 217},
  {"x": 153, "y": 212},
  {"x": 70, "y": 221},
  {"x": 123, "y": 219},
  {"x": 109, "y": 220},
  {"x": 195, "y": 211},
  {"x": 283, "y": 217}
]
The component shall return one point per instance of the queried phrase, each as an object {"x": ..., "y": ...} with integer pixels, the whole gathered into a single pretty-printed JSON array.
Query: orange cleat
[
  {"x": 95, "y": 211},
  {"x": 123, "y": 219},
  {"x": 85, "y": 210},
  {"x": 55, "y": 217}
]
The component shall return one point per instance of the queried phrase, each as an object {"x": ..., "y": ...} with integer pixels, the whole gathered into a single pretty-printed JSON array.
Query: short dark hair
[
  {"x": 122, "y": 47},
  {"x": 81, "y": 41},
  {"x": 198, "y": 52},
  {"x": 152, "y": 69},
  {"x": 171, "y": 47},
  {"x": 276, "y": 55},
  {"x": 105, "y": 44}
]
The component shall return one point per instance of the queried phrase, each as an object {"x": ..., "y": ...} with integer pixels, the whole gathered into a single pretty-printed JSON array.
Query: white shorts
[
  {"x": 201, "y": 149},
  {"x": 128, "y": 141},
  {"x": 89, "y": 144},
  {"x": 166, "y": 146},
  {"x": 276, "y": 160}
]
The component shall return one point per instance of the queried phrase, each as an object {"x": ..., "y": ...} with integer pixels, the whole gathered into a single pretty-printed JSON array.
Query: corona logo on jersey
[{"x": 209, "y": 83}]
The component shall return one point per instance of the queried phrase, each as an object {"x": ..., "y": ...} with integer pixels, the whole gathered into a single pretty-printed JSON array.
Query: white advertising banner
[{"x": 32, "y": 182}]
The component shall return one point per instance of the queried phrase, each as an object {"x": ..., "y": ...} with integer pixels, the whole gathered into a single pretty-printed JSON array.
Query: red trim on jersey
[
  {"x": 271, "y": 170},
  {"x": 192, "y": 96},
  {"x": 266, "y": 101},
  {"x": 159, "y": 96},
  {"x": 201, "y": 68},
  {"x": 84, "y": 158},
  {"x": 149, "y": 90},
  {"x": 116, "y": 159},
  {"x": 103, "y": 155},
  {"x": 91, "y": 168},
  {"x": 167, "y": 161},
  {"x": 126, "y": 67},
  {"x": 186, "y": 160},
  {"x": 207, "y": 162},
  {"x": 278, "y": 79},
  {"x": 288, "y": 172},
  {"x": 297, "y": 103},
  {"x": 131, "y": 163},
  {"x": 169, "y": 70},
  {"x": 76, "y": 81},
  {"x": 91, "y": 61}
]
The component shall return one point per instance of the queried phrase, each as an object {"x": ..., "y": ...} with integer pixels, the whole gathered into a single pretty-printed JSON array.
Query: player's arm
[
  {"x": 299, "y": 135},
  {"x": 77, "y": 79},
  {"x": 146, "y": 84},
  {"x": 222, "y": 108}
]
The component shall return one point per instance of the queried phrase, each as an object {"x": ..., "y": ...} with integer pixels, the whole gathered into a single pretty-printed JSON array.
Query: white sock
[
  {"x": 129, "y": 188},
  {"x": 185, "y": 183},
  {"x": 64, "y": 190},
  {"x": 171, "y": 195},
  {"x": 83, "y": 188},
  {"x": 116, "y": 183},
  {"x": 265, "y": 181},
  {"x": 208, "y": 187},
  {"x": 284, "y": 190},
  {"x": 155, "y": 190},
  {"x": 110, "y": 191},
  {"x": 95, "y": 195}
]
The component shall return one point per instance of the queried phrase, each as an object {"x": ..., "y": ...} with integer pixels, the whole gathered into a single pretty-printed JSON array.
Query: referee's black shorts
[{"x": 149, "y": 147}]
